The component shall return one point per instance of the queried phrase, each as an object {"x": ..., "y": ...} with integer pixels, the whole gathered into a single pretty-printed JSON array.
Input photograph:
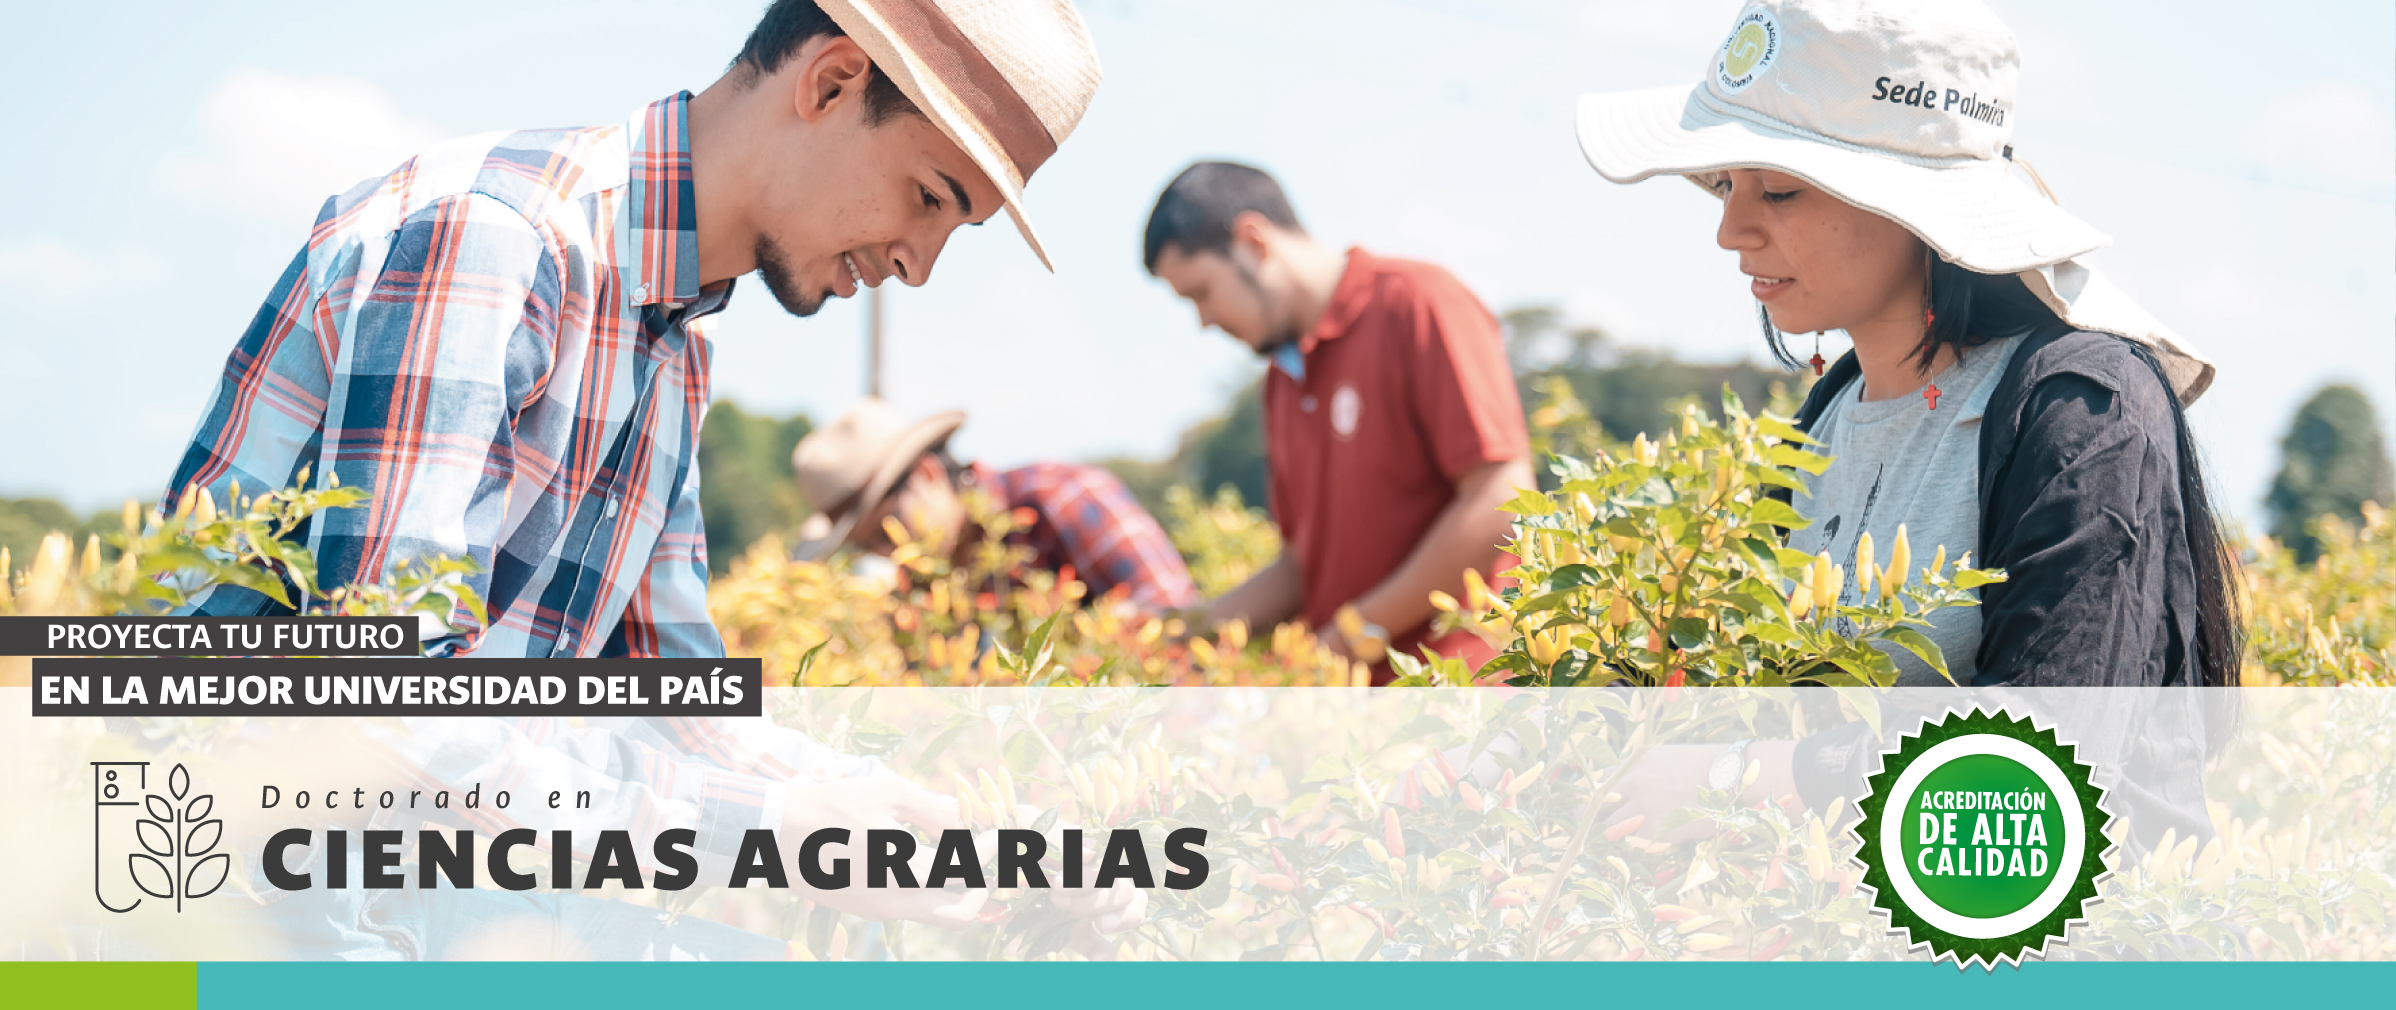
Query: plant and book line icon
[{"x": 177, "y": 860}]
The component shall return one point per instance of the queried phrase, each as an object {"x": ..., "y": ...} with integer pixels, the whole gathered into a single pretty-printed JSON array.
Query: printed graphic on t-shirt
[{"x": 1850, "y": 593}]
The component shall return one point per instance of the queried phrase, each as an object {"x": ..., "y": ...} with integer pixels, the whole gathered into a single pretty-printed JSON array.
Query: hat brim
[
  {"x": 925, "y": 436},
  {"x": 1971, "y": 211},
  {"x": 873, "y": 34}
]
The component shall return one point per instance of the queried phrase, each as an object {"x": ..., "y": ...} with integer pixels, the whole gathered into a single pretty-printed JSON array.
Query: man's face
[
  {"x": 1229, "y": 295},
  {"x": 846, "y": 204}
]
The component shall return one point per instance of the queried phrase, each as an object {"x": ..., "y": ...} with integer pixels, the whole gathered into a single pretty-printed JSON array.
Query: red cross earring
[{"x": 1816, "y": 360}]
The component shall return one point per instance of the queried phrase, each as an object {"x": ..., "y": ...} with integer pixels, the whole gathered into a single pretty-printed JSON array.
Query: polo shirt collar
[
  {"x": 657, "y": 222},
  {"x": 1348, "y": 301}
]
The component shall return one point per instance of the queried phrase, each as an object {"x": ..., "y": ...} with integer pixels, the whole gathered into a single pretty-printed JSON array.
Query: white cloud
[
  {"x": 280, "y": 144},
  {"x": 2329, "y": 131}
]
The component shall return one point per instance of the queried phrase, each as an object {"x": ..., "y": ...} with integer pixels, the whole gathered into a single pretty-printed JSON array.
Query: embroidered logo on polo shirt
[
  {"x": 1346, "y": 407},
  {"x": 1753, "y": 44}
]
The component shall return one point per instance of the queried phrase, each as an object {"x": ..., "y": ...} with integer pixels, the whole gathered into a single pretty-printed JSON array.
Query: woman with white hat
[{"x": 2001, "y": 398}]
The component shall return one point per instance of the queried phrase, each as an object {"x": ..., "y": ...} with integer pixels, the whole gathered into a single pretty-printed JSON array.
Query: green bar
[
  {"x": 1231, "y": 986},
  {"x": 100, "y": 984}
]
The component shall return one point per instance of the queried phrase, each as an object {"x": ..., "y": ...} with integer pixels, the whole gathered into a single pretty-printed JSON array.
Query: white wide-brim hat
[
  {"x": 1005, "y": 80},
  {"x": 1901, "y": 107}
]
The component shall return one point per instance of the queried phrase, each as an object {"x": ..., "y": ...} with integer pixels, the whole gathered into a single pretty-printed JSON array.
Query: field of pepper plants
[
  {"x": 1449, "y": 823},
  {"x": 1436, "y": 821}
]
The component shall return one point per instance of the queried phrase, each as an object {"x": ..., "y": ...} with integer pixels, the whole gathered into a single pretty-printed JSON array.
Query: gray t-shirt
[{"x": 1898, "y": 462}]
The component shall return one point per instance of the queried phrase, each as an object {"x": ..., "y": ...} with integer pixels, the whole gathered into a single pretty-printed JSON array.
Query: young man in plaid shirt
[{"x": 502, "y": 341}]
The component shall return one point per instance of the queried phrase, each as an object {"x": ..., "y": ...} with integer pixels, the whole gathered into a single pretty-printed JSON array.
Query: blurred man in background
[
  {"x": 1392, "y": 428},
  {"x": 1079, "y": 521}
]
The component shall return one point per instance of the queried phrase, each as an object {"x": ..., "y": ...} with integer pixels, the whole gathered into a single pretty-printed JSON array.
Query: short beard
[
  {"x": 1274, "y": 340},
  {"x": 774, "y": 269}
]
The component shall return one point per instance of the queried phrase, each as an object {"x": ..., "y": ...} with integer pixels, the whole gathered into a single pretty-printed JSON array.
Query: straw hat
[
  {"x": 1007, "y": 80},
  {"x": 846, "y": 468},
  {"x": 1904, "y": 108}
]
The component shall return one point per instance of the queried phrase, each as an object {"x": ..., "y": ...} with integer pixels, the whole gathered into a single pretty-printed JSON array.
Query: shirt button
[
  {"x": 640, "y": 294},
  {"x": 611, "y": 508},
  {"x": 1306, "y": 404}
]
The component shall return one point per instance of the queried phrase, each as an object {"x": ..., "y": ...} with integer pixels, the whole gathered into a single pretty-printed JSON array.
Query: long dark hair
[{"x": 1968, "y": 309}]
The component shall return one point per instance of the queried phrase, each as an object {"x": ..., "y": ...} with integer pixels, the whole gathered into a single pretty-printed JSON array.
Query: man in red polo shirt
[{"x": 1392, "y": 429}]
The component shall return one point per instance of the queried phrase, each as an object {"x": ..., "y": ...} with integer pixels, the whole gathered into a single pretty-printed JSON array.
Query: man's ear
[
  {"x": 832, "y": 71},
  {"x": 929, "y": 468},
  {"x": 1253, "y": 235}
]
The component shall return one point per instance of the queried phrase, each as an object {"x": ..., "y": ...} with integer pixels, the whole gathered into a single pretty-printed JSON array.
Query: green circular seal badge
[{"x": 1983, "y": 838}]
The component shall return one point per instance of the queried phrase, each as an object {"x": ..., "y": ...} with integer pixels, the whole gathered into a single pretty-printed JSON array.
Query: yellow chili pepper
[
  {"x": 1863, "y": 566},
  {"x": 1900, "y": 556}
]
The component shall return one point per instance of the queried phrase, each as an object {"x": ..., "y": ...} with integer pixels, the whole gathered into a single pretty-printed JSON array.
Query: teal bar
[{"x": 1234, "y": 986}]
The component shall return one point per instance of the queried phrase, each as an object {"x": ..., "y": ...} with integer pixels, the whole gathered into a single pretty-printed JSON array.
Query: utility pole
[{"x": 873, "y": 342}]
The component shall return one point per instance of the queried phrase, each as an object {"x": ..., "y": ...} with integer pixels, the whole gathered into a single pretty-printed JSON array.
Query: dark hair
[
  {"x": 1968, "y": 309},
  {"x": 788, "y": 25},
  {"x": 1197, "y": 208},
  {"x": 2220, "y": 634}
]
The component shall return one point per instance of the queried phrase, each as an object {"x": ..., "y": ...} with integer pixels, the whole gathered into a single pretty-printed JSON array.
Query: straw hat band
[
  {"x": 1005, "y": 80},
  {"x": 926, "y": 35}
]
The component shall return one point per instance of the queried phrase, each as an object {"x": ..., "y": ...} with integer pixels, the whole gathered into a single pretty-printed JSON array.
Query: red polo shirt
[{"x": 1407, "y": 387}]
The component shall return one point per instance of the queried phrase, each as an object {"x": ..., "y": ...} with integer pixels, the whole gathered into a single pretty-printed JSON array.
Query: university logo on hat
[
  {"x": 1006, "y": 80},
  {"x": 1901, "y": 107},
  {"x": 1753, "y": 42}
]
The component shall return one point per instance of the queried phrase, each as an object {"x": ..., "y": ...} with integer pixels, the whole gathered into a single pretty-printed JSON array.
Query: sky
[{"x": 2243, "y": 156}]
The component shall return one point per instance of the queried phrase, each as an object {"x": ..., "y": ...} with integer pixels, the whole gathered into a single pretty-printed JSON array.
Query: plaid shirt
[
  {"x": 1085, "y": 520},
  {"x": 499, "y": 341}
]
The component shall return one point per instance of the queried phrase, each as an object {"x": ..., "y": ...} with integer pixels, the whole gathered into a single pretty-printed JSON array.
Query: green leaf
[
  {"x": 1529, "y": 503},
  {"x": 1569, "y": 668},
  {"x": 1775, "y": 633},
  {"x": 1689, "y": 632},
  {"x": 1798, "y": 459},
  {"x": 1781, "y": 429},
  {"x": 1545, "y": 601},
  {"x": 1920, "y": 645},
  {"x": 1778, "y": 513},
  {"x": 1761, "y": 555},
  {"x": 1504, "y": 662},
  {"x": 807, "y": 660},
  {"x": 1572, "y": 577},
  {"x": 1420, "y": 726},
  {"x": 1021, "y": 751},
  {"x": 931, "y": 751}
]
